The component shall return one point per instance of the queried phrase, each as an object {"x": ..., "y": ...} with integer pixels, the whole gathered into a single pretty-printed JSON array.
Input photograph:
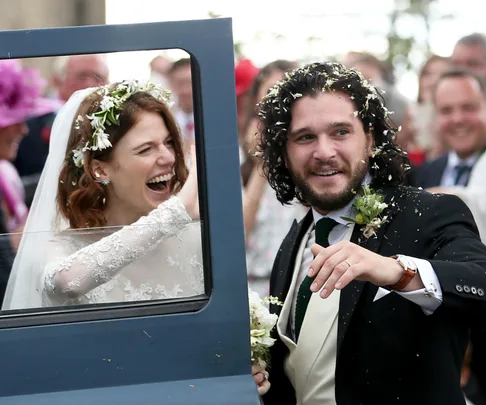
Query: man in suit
[
  {"x": 460, "y": 113},
  {"x": 70, "y": 74},
  {"x": 376, "y": 312}
]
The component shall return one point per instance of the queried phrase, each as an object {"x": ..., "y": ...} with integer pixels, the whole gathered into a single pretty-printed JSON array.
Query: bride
[{"x": 118, "y": 203}]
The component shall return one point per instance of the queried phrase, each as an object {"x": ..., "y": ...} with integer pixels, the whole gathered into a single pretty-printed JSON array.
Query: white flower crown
[{"x": 109, "y": 114}]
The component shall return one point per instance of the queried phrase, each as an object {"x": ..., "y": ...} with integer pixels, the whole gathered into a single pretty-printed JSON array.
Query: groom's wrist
[{"x": 406, "y": 271}]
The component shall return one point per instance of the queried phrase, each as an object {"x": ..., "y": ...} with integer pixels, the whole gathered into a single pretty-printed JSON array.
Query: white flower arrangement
[
  {"x": 369, "y": 206},
  {"x": 261, "y": 324},
  {"x": 109, "y": 113}
]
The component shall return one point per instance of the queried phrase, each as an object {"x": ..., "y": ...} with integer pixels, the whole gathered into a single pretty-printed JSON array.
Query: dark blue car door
[{"x": 182, "y": 351}]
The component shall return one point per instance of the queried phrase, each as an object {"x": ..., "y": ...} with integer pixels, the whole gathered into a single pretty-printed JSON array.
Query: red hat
[{"x": 245, "y": 73}]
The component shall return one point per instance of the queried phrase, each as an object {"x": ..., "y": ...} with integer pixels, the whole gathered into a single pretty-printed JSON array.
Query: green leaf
[
  {"x": 349, "y": 219},
  {"x": 111, "y": 116}
]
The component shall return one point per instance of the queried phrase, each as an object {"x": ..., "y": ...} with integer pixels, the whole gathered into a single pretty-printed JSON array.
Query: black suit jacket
[
  {"x": 32, "y": 153},
  {"x": 34, "y": 147},
  {"x": 389, "y": 351},
  {"x": 429, "y": 174}
]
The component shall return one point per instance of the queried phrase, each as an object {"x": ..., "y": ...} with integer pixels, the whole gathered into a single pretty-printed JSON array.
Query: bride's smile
[{"x": 140, "y": 170}]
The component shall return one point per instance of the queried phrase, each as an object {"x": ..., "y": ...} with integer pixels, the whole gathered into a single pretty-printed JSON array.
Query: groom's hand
[
  {"x": 336, "y": 266},
  {"x": 260, "y": 376}
]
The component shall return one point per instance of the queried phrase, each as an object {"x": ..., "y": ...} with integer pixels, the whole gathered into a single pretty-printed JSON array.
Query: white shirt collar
[
  {"x": 453, "y": 160},
  {"x": 347, "y": 211}
]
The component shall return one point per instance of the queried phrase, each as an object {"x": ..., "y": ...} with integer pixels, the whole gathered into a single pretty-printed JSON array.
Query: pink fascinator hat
[{"x": 20, "y": 94}]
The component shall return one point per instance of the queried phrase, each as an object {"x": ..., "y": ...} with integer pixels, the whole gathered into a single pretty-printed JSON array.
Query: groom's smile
[{"x": 327, "y": 150}]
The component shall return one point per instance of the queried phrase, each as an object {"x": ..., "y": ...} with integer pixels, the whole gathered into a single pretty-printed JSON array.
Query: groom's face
[{"x": 327, "y": 150}]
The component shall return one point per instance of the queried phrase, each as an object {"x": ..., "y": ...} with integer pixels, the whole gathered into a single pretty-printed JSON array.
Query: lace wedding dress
[{"x": 157, "y": 257}]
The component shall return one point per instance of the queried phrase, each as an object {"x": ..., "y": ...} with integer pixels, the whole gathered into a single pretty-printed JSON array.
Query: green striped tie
[{"x": 323, "y": 228}]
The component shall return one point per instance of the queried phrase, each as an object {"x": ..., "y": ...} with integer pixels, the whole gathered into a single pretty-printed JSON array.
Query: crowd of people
[{"x": 401, "y": 278}]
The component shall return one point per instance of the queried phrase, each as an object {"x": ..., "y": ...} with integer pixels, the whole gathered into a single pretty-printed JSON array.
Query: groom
[{"x": 380, "y": 282}]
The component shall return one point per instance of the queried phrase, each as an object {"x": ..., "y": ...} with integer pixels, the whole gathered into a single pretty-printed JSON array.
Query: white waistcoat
[{"x": 310, "y": 365}]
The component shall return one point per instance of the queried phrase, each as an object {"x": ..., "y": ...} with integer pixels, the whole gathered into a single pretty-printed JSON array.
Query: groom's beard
[{"x": 327, "y": 202}]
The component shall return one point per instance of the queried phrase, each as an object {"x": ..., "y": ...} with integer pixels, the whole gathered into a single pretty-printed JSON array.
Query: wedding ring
[
  {"x": 266, "y": 376},
  {"x": 349, "y": 264}
]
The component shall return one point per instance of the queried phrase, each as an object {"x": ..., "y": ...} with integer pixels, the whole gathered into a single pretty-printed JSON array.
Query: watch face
[{"x": 407, "y": 262}]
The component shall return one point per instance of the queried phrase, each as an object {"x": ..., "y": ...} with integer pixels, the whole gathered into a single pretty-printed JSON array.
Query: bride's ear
[{"x": 98, "y": 170}]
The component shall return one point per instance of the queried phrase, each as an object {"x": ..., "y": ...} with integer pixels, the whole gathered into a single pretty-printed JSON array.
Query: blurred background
[{"x": 403, "y": 32}]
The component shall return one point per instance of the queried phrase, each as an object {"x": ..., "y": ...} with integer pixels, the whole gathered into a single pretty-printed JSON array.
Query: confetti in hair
[{"x": 274, "y": 112}]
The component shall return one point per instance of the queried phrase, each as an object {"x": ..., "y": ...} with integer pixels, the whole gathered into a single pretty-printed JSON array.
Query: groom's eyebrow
[
  {"x": 330, "y": 126},
  {"x": 340, "y": 124}
]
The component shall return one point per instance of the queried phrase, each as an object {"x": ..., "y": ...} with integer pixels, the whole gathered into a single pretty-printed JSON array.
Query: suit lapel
[
  {"x": 282, "y": 274},
  {"x": 283, "y": 324},
  {"x": 351, "y": 294}
]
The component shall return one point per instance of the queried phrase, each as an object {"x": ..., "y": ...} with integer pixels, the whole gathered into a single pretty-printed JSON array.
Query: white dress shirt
[
  {"x": 429, "y": 297},
  {"x": 449, "y": 175},
  {"x": 474, "y": 195}
]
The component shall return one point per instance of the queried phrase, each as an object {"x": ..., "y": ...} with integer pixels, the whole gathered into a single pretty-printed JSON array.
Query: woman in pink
[{"x": 20, "y": 99}]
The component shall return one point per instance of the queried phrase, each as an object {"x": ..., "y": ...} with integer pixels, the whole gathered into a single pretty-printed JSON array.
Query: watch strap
[{"x": 407, "y": 277}]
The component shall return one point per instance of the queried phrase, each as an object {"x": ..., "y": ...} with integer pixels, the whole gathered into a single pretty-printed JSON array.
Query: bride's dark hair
[{"x": 82, "y": 200}]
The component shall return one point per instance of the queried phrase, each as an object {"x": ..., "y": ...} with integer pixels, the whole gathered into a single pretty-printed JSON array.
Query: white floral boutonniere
[
  {"x": 261, "y": 324},
  {"x": 369, "y": 206}
]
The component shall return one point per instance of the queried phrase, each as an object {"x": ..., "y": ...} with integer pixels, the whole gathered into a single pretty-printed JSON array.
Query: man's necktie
[
  {"x": 462, "y": 172},
  {"x": 323, "y": 228}
]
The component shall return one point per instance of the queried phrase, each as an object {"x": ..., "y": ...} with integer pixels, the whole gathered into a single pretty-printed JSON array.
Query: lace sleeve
[{"x": 97, "y": 263}]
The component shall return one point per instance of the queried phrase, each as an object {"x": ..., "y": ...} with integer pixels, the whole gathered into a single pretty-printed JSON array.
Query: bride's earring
[{"x": 104, "y": 182}]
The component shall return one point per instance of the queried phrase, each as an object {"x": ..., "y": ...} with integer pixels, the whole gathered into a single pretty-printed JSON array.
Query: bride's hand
[
  {"x": 189, "y": 194},
  {"x": 260, "y": 376}
]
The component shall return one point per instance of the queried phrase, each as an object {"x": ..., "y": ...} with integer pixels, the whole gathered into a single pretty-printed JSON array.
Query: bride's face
[{"x": 140, "y": 170}]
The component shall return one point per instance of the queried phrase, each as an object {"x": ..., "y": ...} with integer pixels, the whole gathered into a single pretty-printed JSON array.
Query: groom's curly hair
[
  {"x": 388, "y": 163},
  {"x": 80, "y": 198}
]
